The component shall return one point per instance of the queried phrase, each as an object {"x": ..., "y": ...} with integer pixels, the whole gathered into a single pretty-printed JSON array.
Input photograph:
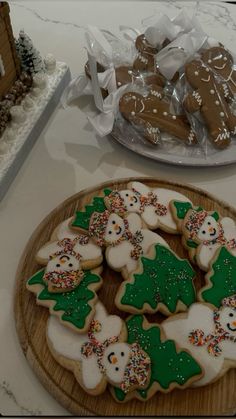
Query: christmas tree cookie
[
  {"x": 171, "y": 367},
  {"x": 221, "y": 279},
  {"x": 204, "y": 232},
  {"x": 101, "y": 355},
  {"x": 81, "y": 219},
  {"x": 209, "y": 334},
  {"x": 163, "y": 282},
  {"x": 75, "y": 308},
  {"x": 152, "y": 204}
]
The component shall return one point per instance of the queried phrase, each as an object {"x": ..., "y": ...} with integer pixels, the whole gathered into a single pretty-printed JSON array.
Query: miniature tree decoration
[{"x": 31, "y": 60}]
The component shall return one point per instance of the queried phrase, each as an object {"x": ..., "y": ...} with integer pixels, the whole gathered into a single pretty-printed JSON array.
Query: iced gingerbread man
[
  {"x": 221, "y": 62},
  {"x": 210, "y": 99},
  {"x": 151, "y": 114}
]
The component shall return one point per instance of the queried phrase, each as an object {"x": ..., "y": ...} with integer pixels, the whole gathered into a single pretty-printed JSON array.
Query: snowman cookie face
[
  {"x": 227, "y": 319},
  {"x": 63, "y": 263},
  {"x": 115, "y": 360},
  {"x": 131, "y": 201},
  {"x": 115, "y": 228},
  {"x": 209, "y": 230}
]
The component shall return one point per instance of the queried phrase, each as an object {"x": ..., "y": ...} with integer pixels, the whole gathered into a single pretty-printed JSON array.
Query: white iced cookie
[
  {"x": 209, "y": 334},
  {"x": 151, "y": 204},
  {"x": 90, "y": 253},
  {"x": 204, "y": 232},
  {"x": 100, "y": 355},
  {"x": 124, "y": 238}
]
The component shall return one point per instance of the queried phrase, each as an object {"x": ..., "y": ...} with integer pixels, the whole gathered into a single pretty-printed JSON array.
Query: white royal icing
[
  {"x": 67, "y": 343},
  {"x": 200, "y": 316},
  {"x": 118, "y": 255},
  {"x": 87, "y": 251},
  {"x": 164, "y": 197}
]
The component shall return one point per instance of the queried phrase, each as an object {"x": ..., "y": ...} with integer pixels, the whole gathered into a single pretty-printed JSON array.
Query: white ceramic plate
[{"x": 174, "y": 152}]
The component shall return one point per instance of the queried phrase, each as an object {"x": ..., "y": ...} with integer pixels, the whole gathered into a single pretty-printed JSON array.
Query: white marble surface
[{"x": 69, "y": 157}]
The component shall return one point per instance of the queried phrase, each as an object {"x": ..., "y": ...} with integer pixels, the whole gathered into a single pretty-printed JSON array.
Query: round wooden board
[{"x": 215, "y": 399}]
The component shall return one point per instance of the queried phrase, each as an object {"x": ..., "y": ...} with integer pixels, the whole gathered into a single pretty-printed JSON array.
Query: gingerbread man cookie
[
  {"x": 152, "y": 114},
  {"x": 208, "y": 97},
  {"x": 124, "y": 238},
  {"x": 101, "y": 355},
  {"x": 145, "y": 60},
  {"x": 127, "y": 75},
  {"x": 221, "y": 62},
  {"x": 151, "y": 204},
  {"x": 209, "y": 334}
]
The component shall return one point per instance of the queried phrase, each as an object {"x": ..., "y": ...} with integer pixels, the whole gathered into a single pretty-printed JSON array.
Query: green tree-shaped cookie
[
  {"x": 82, "y": 218},
  {"x": 164, "y": 278},
  {"x": 221, "y": 278},
  {"x": 74, "y": 307},
  {"x": 168, "y": 367}
]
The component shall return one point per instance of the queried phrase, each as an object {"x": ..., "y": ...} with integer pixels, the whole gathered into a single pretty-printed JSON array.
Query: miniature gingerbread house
[{"x": 9, "y": 62}]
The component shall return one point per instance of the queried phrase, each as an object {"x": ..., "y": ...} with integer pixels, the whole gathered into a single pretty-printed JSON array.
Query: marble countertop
[{"x": 69, "y": 157}]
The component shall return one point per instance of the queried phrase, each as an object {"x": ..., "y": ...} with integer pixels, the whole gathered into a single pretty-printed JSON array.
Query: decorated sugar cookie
[
  {"x": 75, "y": 308},
  {"x": 171, "y": 367},
  {"x": 162, "y": 282},
  {"x": 204, "y": 232},
  {"x": 221, "y": 279},
  {"x": 124, "y": 238},
  {"x": 101, "y": 355},
  {"x": 69, "y": 242},
  {"x": 81, "y": 220},
  {"x": 151, "y": 204},
  {"x": 209, "y": 334}
]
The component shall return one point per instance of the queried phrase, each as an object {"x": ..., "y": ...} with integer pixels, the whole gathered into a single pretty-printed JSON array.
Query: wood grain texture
[{"x": 216, "y": 399}]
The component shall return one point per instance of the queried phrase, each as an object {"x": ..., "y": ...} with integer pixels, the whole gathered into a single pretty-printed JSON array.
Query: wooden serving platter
[{"x": 216, "y": 399}]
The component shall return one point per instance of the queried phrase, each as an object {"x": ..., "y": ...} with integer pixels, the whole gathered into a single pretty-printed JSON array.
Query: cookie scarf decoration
[
  {"x": 213, "y": 340},
  {"x": 94, "y": 347},
  {"x": 151, "y": 200}
]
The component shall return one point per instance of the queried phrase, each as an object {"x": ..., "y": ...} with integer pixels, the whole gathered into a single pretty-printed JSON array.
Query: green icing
[
  {"x": 215, "y": 215},
  {"x": 192, "y": 244},
  {"x": 167, "y": 366},
  {"x": 74, "y": 304},
  {"x": 223, "y": 278},
  {"x": 165, "y": 279},
  {"x": 182, "y": 208},
  {"x": 82, "y": 218}
]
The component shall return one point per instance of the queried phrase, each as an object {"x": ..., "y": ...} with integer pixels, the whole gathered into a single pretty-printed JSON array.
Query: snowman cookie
[
  {"x": 101, "y": 355},
  {"x": 204, "y": 232},
  {"x": 90, "y": 253},
  {"x": 151, "y": 204},
  {"x": 124, "y": 238},
  {"x": 209, "y": 334}
]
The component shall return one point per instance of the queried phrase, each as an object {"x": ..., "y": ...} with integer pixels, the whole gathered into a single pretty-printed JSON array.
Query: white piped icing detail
[
  {"x": 212, "y": 92},
  {"x": 223, "y": 136},
  {"x": 198, "y": 98},
  {"x": 217, "y": 102},
  {"x": 226, "y": 90},
  {"x": 173, "y": 116},
  {"x": 165, "y": 113},
  {"x": 154, "y": 110},
  {"x": 142, "y": 58},
  {"x": 222, "y": 114},
  {"x": 156, "y": 93},
  {"x": 132, "y": 113},
  {"x": 191, "y": 136}
]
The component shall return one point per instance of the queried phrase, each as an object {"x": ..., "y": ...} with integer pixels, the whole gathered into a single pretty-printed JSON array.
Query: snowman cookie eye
[
  {"x": 203, "y": 232},
  {"x": 70, "y": 265},
  {"x": 231, "y": 315},
  {"x": 58, "y": 265},
  {"x": 113, "y": 222}
]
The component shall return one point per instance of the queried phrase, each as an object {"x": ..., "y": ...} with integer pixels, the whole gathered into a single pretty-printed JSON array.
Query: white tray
[{"x": 15, "y": 151}]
